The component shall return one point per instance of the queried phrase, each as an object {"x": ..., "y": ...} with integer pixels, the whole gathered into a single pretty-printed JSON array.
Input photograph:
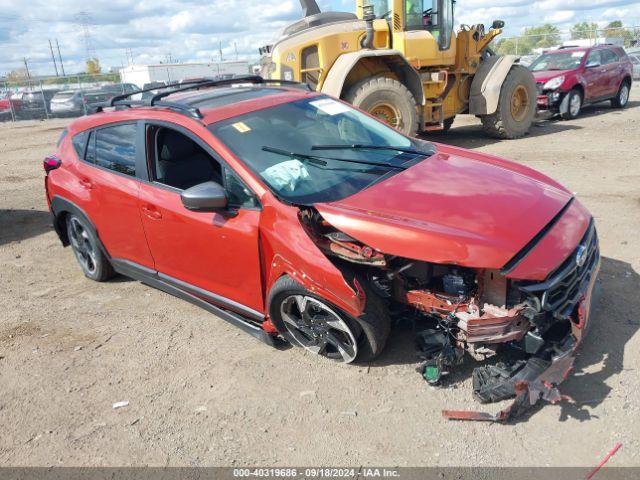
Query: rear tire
[
  {"x": 516, "y": 106},
  {"x": 84, "y": 243},
  {"x": 622, "y": 97},
  {"x": 363, "y": 337},
  {"x": 387, "y": 99}
]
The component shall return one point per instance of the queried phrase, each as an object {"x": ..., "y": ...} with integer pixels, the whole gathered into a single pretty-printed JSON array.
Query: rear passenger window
[
  {"x": 115, "y": 148},
  {"x": 80, "y": 142}
]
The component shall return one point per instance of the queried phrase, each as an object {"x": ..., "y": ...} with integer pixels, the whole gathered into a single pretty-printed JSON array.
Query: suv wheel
[
  {"x": 574, "y": 105},
  {"x": 622, "y": 98},
  {"x": 84, "y": 243},
  {"x": 310, "y": 322}
]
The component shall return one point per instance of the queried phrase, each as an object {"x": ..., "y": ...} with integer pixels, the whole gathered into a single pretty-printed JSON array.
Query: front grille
[
  {"x": 540, "y": 88},
  {"x": 564, "y": 288}
]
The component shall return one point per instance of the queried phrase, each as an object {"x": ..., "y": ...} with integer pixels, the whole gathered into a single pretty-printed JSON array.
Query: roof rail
[{"x": 124, "y": 101}]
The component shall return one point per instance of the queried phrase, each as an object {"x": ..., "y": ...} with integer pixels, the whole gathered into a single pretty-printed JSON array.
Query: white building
[{"x": 174, "y": 72}]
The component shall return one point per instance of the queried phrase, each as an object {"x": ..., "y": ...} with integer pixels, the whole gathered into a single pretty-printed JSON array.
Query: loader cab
[
  {"x": 435, "y": 16},
  {"x": 423, "y": 30}
]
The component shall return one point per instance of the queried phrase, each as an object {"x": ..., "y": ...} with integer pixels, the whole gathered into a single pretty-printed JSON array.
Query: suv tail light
[{"x": 51, "y": 162}]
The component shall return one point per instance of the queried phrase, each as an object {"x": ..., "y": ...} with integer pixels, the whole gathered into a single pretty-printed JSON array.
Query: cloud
[{"x": 195, "y": 29}]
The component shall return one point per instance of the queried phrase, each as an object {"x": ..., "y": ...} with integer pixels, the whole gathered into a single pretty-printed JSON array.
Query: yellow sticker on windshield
[{"x": 241, "y": 127}]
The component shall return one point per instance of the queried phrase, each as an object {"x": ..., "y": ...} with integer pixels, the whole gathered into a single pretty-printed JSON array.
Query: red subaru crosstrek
[
  {"x": 294, "y": 215},
  {"x": 572, "y": 77}
]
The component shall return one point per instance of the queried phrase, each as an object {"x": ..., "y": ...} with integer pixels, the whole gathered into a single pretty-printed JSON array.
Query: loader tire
[
  {"x": 516, "y": 107},
  {"x": 388, "y": 100}
]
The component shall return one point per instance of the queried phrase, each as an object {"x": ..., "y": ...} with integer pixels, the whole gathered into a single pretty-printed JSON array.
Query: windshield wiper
[
  {"x": 300, "y": 156},
  {"x": 322, "y": 160},
  {"x": 358, "y": 146}
]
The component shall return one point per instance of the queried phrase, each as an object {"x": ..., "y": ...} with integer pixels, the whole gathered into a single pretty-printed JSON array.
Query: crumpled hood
[{"x": 456, "y": 207}]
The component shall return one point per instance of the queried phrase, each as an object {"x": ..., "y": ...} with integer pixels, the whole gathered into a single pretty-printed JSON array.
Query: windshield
[
  {"x": 557, "y": 61},
  {"x": 281, "y": 145}
]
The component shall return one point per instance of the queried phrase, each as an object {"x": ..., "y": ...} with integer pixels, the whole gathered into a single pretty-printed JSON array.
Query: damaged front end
[{"x": 481, "y": 313}]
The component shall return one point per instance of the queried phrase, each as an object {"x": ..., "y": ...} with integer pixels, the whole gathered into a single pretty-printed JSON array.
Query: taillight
[{"x": 51, "y": 163}]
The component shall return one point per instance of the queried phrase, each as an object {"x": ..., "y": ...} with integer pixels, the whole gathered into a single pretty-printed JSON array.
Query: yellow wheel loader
[{"x": 402, "y": 61}]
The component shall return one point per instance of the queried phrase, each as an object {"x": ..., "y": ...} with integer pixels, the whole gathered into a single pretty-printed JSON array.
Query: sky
[{"x": 150, "y": 31}]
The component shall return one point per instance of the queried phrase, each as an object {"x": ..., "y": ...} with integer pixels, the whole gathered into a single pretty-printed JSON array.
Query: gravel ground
[{"x": 201, "y": 392}]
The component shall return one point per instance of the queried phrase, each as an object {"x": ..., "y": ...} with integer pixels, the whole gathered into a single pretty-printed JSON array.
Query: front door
[
  {"x": 215, "y": 252},
  {"x": 594, "y": 75}
]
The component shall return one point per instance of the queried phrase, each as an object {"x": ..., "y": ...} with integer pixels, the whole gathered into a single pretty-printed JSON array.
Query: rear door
[
  {"x": 107, "y": 175},
  {"x": 613, "y": 71}
]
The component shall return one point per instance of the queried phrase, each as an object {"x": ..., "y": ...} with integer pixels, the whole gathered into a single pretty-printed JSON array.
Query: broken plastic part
[{"x": 528, "y": 393}]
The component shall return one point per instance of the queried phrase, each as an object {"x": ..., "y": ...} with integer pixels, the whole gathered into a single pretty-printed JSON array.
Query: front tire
[
  {"x": 622, "y": 97},
  {"x": 309, "y": 321},
  {"x": 388, "y": 100},
  {"x": 574, "y": 105},
  {"x": 95, "y": 265},
  {"x": 516, "y": 106}
]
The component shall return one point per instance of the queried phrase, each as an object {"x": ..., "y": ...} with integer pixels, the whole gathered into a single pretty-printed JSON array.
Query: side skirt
[{"x": 150, "y": 277}]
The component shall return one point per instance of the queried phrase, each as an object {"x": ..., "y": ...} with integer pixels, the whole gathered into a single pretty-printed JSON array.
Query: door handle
[
  {"x": 86, "y": 183},
  {"x": 151, "y": 212}
]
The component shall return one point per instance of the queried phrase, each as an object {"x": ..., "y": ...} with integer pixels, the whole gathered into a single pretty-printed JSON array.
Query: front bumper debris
[{"x": 569, "y": 293}]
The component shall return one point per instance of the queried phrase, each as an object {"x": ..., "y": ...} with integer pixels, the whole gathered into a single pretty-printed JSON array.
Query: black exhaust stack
[{"x": 309, "y": 7}]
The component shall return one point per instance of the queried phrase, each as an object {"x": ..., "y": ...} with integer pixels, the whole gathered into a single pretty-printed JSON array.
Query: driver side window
[
  {"x": 594, "y": 58},
  {"x": 178, "y": 161}
]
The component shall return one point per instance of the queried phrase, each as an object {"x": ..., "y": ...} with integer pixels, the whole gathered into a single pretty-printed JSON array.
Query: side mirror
[
  {"x": 592, "y": 64},
  {"x": 205, "y": 197},
  {"x": 497, "y": 24}
]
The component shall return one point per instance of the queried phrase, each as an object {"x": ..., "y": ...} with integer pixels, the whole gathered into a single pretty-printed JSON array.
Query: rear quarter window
[
  {"x": 79, "y": 142},
  {"x": 62, "y": 136}
]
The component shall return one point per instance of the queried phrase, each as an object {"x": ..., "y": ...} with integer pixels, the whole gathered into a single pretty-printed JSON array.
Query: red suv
[
  {"x": 570, "y": 78},
  {"x": 294, "y": 215}
]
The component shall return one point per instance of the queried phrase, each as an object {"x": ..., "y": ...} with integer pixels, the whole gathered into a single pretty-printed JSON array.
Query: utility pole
[
  {"x": 235, "y": 47},
  {"x": 60, "y": 58},
  {"x": 84, "y": 19},
  {"x": 27, "y": 68},
  {"x": 53, "y": 57},
  {"x": 220, "y": 49}
]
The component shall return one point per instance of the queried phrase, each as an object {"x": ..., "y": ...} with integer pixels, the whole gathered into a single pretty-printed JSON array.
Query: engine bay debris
[{"x": 523, "y": 334}]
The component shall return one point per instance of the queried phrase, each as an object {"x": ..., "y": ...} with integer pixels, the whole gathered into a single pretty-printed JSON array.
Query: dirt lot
[{"x": 201, "y": 392}]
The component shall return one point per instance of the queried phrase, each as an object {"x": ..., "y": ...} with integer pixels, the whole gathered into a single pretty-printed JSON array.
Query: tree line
[{"x": 547, "y": 35}]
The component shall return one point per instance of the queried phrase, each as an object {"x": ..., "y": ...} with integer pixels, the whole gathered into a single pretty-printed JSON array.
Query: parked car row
[
  {"x": 54, "y": 102},
  {"x": 571, "y": 77}
]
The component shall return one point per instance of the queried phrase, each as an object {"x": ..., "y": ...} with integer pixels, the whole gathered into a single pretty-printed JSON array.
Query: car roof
[
  {"x": 215, "y": 104},
  {"x": 569, "y": 48}
]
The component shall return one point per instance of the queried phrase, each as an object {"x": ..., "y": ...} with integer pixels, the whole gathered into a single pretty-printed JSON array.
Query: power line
[
  {"x": 53, "y": 57},
  {"x": 60, "y": 57}
]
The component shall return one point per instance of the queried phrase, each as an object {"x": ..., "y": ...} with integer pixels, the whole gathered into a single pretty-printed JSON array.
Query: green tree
[
  {"x": 584, "y": 30},
  {"x": 513, "y": 46},
  {"x": 616, "y": 29},
  {"x": 544, "y": 36}
]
